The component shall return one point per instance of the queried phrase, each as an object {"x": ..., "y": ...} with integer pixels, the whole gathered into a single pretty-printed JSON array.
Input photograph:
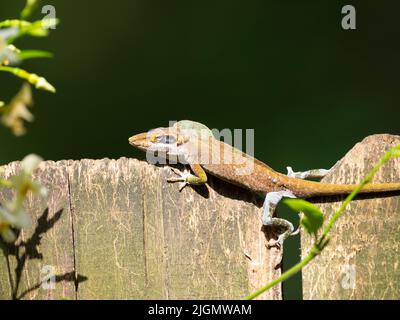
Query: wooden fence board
[
  {"x": 46, "y": 248},
  {"x": 362, "y": 260},
  {"x": 125, "y": 233}
]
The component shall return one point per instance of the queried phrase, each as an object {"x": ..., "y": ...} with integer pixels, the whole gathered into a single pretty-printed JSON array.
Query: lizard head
[
  {"x": 164, "y": 140},
  {"x": 177, "y": 140}
]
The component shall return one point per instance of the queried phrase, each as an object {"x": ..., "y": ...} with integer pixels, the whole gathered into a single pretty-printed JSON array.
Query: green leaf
[
  {"x": 30, "y": 7},
  {"x": 34, "y": 54},
  {"x": 313, "y": 217}
]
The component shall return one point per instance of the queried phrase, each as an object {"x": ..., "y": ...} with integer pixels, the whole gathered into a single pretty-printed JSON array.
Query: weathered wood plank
[
  {"x": 131, "y": 235},
  {"x": 108, "y": 228},
  {"x": 46, "y": 248},
  {"x": 175, "y": 245},
  {"x": 362, "y": 260},
  {"x": 207, "y": 241}
]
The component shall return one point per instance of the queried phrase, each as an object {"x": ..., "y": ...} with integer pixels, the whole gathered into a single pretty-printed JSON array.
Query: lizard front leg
[
  {"x": 271, "y": 201},
  {"x": 187, "y": 178}
]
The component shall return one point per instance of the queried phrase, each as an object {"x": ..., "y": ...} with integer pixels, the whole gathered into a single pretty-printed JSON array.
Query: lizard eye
[{"x": 166, "y": 139}]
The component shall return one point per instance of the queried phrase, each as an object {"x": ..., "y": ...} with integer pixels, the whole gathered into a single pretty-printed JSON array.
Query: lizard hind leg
[
  {"x": 270, "y": 203},
  {"x": 314, "y": 173}
]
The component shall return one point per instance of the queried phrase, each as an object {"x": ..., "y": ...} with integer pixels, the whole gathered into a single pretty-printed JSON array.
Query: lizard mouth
[{"x": 140, "y": 140}]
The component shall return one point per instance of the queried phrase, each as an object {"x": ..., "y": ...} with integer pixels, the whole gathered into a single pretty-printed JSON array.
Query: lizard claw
[
  {"x": 282, "y": 237},
  {"x": 177, "y": 172},
  {"x": 296, "y": 232},
  {"x": 276, "y": 243},
  {"x": 182, "y": 178},
  {"x": 182, "y": 185}
]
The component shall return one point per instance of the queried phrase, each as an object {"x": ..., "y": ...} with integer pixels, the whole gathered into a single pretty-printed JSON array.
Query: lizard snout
[{"x": 140, "y": 140}]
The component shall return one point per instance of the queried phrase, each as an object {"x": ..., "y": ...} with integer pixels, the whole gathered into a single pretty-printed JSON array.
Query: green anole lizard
[{"x": 192, "y": 143}]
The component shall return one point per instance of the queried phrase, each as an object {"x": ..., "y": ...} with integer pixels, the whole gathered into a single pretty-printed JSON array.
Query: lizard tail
[{"x": 305, "y": 189}]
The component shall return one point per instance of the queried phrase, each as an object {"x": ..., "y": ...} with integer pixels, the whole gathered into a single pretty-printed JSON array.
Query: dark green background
[{"x": 309, "y": 89}]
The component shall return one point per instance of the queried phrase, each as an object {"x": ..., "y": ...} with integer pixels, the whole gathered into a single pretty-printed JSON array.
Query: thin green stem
[
  {"x": 322, "y": 241},
  {"x": 289, "y": 273},
  {"x": 39, "y": 28},
  {"x": 352, "y": 195},
  {"x": 32, "y": 78},
  {"x": 30, "y": 7},
  {"x": 14, "y": 23}
]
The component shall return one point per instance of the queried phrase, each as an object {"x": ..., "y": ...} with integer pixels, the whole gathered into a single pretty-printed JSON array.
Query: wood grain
[
  {"x": 362, "y": 260},
  {"x": 47, "y": 246},
  {"x": 119, "y": 231}
]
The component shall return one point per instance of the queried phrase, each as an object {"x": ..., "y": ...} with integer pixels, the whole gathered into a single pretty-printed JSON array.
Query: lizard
[{"x": 192, "y": 143}]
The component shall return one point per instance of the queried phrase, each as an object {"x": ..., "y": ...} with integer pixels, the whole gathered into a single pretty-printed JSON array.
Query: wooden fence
[{"x": 115, "y": 229}]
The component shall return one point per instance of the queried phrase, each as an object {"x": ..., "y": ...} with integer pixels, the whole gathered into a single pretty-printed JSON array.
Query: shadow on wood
[
  {"x": 20, "y": 253},
  {"x": 114, "y": 229}
]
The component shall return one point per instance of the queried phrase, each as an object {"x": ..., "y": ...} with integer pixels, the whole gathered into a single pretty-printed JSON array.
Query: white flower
[
  {"x": 23, "y": 182},
  {"x": 12, "y": 212},
  {"x": 6, "y": 233},
  {"x": 8, "y": 53},
  {"x": 30, "y": 163}
]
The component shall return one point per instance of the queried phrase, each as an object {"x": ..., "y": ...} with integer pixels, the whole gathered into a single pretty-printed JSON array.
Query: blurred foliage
[{"x": 13, "y": 115}]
